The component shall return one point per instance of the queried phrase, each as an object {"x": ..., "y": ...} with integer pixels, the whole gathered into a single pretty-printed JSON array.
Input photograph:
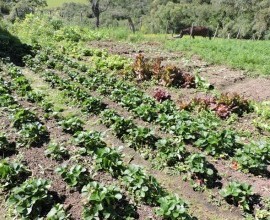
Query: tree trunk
[
  {"x": 216, "y": 32},
  {"x": 131, "y": 24},
  {"x": 125, "y": 17},
  {"x": 96, "y": 11}
]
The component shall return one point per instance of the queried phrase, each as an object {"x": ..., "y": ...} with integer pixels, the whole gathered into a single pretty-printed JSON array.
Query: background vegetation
[{"x": 234, "y": 18}]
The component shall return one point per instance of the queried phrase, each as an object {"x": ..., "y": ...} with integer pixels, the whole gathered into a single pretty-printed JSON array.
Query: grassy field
[
  {"x": 53, "y": 3},
  {"x": 252, "y": 56}
]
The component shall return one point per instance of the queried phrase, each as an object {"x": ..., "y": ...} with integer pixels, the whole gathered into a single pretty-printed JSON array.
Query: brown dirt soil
[{"x": 223, "y": 78}]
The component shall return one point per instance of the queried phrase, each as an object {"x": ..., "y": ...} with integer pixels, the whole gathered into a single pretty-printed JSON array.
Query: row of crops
[
  {"x": 28, "y": 197},
  {"x": 181, "y": 140}
]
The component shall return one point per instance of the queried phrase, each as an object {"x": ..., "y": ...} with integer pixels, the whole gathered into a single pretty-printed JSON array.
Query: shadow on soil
[{"x": 12, "y": 48}]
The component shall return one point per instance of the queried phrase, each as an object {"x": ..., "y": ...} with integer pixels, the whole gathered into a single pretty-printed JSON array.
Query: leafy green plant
[
  {"x": 72, "y": 124},
  {"x": 173, "y": 208},
  {"x": 56, "y": 151},
  {"x": 101, "y": 201},
  {"x": 109, "y": 160},
  {"x": 108, "y": 117},
  {"x": 253, "y": 157},
  {"x": 169, "y": 152},
  {"x": 263, "y": 110},
  {"x": 12, "y": 174},
  {"x": 75, "y": 176},
  {"x": 217, "y": 143},
  {"x": 93, "y": 105},
  {"x": 141, "y": 137},
  {"x": 263, "y": 211},
  {"x": 32, "y": 133},
  {"x": 89, "y": 141},
  {"x": 30, "y": 198},
  {"x": 57, "y": 213},
  {"x": 6, "y": 100},
  {"x": 143, "y": 187},
  {"x": 121, "y": 126},
  {"x": 146, "y": 112},
  {"x": 33, "y": 96},
  {"x": 201, "y": 83},
  {"x": 130, "y": 100},
  {"x": 238, "y": 193},
  {"x": 166, "y": 107},
  {"x": 199, "y": 170},
  {"x": 22, "y": 116},
  {"x": 47, "y": 106}
]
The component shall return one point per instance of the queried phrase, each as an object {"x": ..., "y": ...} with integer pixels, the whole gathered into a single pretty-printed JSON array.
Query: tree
[
  {"x": 19, "y": 8},
  {"x": 97, "y": 10}
]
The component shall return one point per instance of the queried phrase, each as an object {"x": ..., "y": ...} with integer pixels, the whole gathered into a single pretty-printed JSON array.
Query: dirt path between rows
[{"x": 223, "y": 78}]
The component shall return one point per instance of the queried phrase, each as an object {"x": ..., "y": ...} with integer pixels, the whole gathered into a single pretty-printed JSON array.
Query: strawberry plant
[
  {"x": 199, "y": 170},
  {"x": 30, "y": 199},
  {"x": 100, "y": 202},
  {"x": 108, "y": 117},
  {"x": 47, "y": 106},
  {"x": 58, "y": 213},
  {"x": 173, "y": 208},
  {"x": 253, "y": 157},
  {"x": 32, "y": 133},
  {"x": 6, "y": 100},
  {"x": 93, "y": 105},
  {"x": 238, "y": 194},
  {"x": 131, "y": 100},
  {"x": 22, "y": 85},
  {"x": 72, "y": 124},
  {"x": 143, "y": 188},
  {"x": 166, "y": 122},
  {"x": 33, "y": 96},
  {"x": 263, "y": 211},
  {"x": 22, "y": 116},
  {"x": 109, "y": 160},
  {"x": 75, "y": 176},
  {"x": 140, "y": 137},
  {"x": 169, "y": 152},
  {"x": 89, "y": 142},
  {"x": 12, "y": 174},
  {"x": 56, "y": 151},
  {"x": 122, "y": 126},
  {"x": 145, "y": 112},
  {"x": 217, "y": 143}
]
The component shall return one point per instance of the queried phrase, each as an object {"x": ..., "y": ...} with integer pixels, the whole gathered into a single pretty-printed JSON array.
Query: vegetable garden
[{"x": 83, "y": 138}]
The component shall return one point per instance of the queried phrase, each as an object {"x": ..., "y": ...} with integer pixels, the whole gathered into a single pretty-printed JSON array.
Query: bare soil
[{"x": 223, "y": 78}]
